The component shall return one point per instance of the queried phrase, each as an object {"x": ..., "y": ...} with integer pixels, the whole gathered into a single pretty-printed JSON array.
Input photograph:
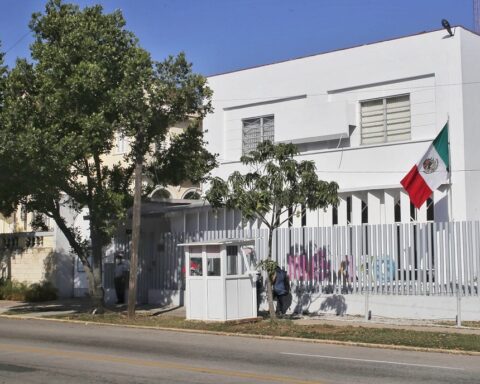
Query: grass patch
[
  {"x": 471, "y": 324},
  {"x": 398, "y": 337}
]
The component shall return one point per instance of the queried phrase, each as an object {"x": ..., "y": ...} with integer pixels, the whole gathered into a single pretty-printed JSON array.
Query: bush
[
  {"x": 44, "y": 291},
  {"x": 14, "y": 290}
]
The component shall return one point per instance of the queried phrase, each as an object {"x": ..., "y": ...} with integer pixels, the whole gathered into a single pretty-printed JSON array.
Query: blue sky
[{"x": 225, "y": 35}]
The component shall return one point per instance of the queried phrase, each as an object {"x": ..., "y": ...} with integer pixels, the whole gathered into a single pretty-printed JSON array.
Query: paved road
[{"x": 33, "y": 351}]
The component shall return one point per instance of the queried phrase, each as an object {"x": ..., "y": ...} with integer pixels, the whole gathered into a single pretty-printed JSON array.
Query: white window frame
[{"x": 385, "y": 120}]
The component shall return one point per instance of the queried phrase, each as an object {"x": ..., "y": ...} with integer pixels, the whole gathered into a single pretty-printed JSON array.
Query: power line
[{"x": 18, "y": 41}]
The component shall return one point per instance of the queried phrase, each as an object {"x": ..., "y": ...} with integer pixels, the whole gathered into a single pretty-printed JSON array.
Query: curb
[{"x": 252, "y": 336}]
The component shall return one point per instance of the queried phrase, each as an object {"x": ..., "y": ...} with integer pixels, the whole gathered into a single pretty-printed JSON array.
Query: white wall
[
  {"x": 470, "y": 91},
  {"x": 302, "y": 94}
]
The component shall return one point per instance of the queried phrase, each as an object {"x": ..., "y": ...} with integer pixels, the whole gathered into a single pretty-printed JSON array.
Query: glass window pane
[
  {"x": 213, "y": 260},
  {"x": 232, "y": 260},
  {"x": 213, "y": 266},
  {"x": 196, "y": 266}
]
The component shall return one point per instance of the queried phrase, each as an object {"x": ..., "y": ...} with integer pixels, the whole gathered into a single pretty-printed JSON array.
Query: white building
[{"x": 365, "y": 115}]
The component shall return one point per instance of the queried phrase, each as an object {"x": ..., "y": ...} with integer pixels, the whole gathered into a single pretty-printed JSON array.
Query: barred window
[
  {"x": 385, "y": 120},
  {"x": 255, "y": 131}
]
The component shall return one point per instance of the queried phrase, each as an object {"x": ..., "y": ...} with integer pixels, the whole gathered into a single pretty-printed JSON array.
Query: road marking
[
  {"x": 371, "y": 361},
  {"x": 150, "y": 363}
]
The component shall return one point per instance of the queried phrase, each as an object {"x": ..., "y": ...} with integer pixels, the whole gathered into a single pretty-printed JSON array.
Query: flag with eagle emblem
[{"x": 430, "y": 172}]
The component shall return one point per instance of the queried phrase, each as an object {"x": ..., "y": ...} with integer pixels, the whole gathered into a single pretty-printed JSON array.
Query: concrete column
[
  {"x": 404, "y": 207},
  {"x": 422, "y": 213},
  {"x": 356, "y": 209},
  {"x": 326, "y": 217},
  {"x": 374, "y": 207},
  {"x": 342, "y": 211},
  {"x": 440, "y": 209},
  {"x": 389, "y": 207},
  {"x": 312, "y": 218}
]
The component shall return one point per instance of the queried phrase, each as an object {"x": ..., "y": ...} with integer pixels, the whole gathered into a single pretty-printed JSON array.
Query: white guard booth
[{"x": 220, "y": 280}]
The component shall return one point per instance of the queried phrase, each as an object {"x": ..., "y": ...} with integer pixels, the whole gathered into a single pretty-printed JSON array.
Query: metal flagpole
[
  {"x": 451, "y": 218},
  {"x": 449, "y": 191}
]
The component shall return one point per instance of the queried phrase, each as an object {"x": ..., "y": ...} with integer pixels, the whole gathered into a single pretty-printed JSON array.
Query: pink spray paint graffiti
[{"x": 317, "y": 270}]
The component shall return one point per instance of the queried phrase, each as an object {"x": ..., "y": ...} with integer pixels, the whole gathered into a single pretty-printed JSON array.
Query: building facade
[{"x": 365, "y": 116}]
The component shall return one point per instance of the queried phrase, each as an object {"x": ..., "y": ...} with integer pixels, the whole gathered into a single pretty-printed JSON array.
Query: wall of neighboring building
[
  {"x": 470, "y": 93},
  {"x": 316, "y": 103}
]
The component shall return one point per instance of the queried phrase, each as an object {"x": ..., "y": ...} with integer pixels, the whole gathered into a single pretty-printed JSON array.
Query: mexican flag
[{"x": 430, "y": 172}]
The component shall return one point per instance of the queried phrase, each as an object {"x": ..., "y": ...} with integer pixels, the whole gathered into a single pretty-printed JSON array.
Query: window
[
  {"x": 385, "y": 120},
  {"x": 196, "y": 261},
  {"x": 213, "y": 260},
  {"x": 430, "y": 210},
  {"x": 364, "y": 212},
  {"x": 304, "y": 216},
  {"x": 121, "y": 143},
  {"x": 334, "y": 215},
  {"x": 161, "y": 193},
  {"x": 232, "y": 260},
  {"x": 255, "y": 131},
  {"x": 192, "y": 195}
]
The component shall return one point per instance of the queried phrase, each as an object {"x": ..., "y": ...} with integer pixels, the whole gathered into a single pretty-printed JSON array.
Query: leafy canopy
[
  {"x": 276, "y": 182},
  {"x": 90, "y": 82}
]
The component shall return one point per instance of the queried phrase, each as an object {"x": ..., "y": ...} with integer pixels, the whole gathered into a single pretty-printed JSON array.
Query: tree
[
  {"x": 272, "y": 192},
  {"x": 88, "y": 83}
]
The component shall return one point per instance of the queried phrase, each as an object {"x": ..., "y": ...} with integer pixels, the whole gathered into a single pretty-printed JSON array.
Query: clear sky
[{"x": 225, "y": 35}]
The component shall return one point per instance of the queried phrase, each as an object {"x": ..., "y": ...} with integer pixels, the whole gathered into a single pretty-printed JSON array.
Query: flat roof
[
  {"x": 336, "y": 50},
  {"x": 218, "y": 242}
]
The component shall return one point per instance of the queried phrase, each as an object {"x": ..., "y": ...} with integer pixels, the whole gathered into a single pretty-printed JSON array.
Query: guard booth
[{"x": 220, "y": 280}]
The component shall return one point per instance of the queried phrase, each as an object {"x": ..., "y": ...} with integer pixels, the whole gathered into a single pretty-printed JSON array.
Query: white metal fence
[
  {"x": 396, "y": 259},
  {"x": 393, "y": 259}
]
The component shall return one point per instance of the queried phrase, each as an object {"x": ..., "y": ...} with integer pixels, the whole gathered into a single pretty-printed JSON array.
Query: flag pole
[
  {"x": 450, "y": 194},
  {"x": 450, "y": 200}
]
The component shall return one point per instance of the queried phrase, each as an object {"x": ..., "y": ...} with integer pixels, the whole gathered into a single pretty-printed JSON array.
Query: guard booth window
[
  {"x": 213, "y": 260},
  {"x": 196, "y": 261},
  {"x": 232, "y": 260}
]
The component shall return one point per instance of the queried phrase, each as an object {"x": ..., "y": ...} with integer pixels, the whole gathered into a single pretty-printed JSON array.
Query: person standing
[
  {"x": 121, "y": 276},
  {"x": 281, "y": 288}
]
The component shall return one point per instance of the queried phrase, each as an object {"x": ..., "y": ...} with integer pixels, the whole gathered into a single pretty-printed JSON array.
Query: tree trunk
[
  {"x": 271, "y": 308},
  {"x": 96, "y": 288},
  {"x": 132, "y": 286}
]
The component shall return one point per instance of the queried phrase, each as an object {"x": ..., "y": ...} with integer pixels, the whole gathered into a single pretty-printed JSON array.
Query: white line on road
[{"x": 371, "y": 361}]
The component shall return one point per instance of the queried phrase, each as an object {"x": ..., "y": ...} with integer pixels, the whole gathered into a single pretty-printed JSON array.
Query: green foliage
[
  {"x": 12, "y": 290},
  {"x": 44, "y": 291},
  {"x": 276, "y": 181},
  {"x": 18, "y": 291},
  {"x": 90, "y": 81},
  {"x": 269, "y": 266}
]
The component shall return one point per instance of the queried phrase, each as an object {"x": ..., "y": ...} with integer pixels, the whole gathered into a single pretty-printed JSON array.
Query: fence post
[
  {"x": 367, "y": 289},
  {"x": 459, "y": 307}
]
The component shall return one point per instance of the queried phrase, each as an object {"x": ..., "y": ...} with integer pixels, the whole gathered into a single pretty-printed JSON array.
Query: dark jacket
[{"x": 281, "y": 285}]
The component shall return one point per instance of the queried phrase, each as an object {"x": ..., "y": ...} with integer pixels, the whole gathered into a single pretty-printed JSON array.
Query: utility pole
[{"x": 476, "y": 16}]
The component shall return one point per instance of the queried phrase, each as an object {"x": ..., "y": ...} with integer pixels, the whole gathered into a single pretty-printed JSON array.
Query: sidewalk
[
  {"x": 83, "y": 305},
  {"x": 76, "y": 305}
]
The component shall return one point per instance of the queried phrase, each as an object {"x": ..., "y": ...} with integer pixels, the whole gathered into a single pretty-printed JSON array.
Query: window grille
[
  {"x": 385, "y": 120},
  {"x": 255, "y": 131}
]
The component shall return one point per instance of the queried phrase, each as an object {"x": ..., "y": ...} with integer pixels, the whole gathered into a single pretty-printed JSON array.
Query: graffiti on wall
[{"x": 319, "y": 270}]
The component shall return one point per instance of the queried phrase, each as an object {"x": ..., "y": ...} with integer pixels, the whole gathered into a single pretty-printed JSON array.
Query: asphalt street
[{"x": 36, "y": 351}]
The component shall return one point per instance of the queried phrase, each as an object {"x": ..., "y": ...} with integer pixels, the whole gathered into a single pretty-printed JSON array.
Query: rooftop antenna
[{"x": 476, "y": 16}]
